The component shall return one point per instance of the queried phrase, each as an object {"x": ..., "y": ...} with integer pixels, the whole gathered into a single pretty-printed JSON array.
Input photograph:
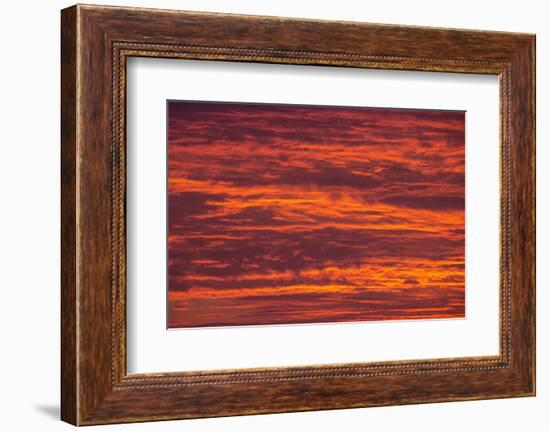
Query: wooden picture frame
[{"x": 95, "y": 43}]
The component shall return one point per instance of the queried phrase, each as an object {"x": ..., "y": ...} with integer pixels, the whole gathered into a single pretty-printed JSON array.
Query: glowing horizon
[{"x": 281, "y": 214}]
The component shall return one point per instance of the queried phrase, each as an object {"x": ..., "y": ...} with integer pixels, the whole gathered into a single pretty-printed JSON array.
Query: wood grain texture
[
  {"x": 69, "y": 366},
  {"x": 96, "y": 41}
]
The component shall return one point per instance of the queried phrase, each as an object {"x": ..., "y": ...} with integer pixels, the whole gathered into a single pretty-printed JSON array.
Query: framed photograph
[{"x": 263, "y": 214}]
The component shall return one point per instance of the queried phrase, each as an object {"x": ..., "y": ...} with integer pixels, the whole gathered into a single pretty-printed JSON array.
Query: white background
[
  {"x": 29, "y": 228},
  {"x": 151, "y": 348}
]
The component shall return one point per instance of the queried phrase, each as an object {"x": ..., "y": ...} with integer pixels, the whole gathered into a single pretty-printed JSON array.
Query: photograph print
[{"x": 290, "y": 214}]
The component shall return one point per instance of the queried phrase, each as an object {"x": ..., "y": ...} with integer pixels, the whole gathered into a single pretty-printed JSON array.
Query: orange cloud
[{"x": 293, "y": 214}]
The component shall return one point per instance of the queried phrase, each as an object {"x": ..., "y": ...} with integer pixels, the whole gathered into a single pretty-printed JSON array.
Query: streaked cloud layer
[{"x": 298, "y": 214}]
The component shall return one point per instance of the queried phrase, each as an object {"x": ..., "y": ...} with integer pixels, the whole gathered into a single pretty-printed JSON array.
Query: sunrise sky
[{"x": 284, "y": 214}]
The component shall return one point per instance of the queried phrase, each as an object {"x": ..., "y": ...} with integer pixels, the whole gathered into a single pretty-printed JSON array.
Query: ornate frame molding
[{"x": 96, "y": 41}]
